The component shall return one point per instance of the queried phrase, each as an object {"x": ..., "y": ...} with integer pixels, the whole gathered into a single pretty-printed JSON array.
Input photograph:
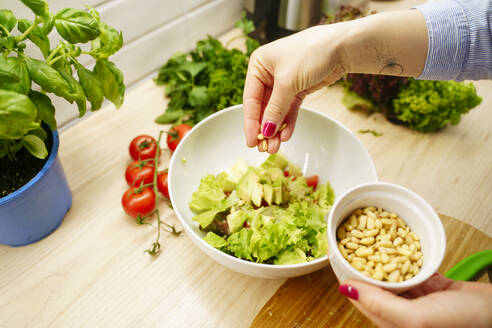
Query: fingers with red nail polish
[{"x": 349, "y": 291}]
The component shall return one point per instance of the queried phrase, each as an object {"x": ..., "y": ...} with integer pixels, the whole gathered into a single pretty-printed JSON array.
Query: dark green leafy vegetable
[
  {"x": 425, "y": 106},
  {"x": 205, "y": 81},
  {"x": 76, "y": 25}
]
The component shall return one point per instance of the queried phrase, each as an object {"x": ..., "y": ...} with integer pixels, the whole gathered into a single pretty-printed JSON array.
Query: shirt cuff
[{"x": 449, "y": 38}]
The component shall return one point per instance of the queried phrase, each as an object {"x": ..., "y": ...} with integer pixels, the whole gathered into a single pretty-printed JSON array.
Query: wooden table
[{"x": 92, "y": 272}]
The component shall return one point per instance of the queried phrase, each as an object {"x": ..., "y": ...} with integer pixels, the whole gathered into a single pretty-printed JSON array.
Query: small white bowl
[
  {"x": 320, "y": 145},
  {"x": 413, "y": 209}
]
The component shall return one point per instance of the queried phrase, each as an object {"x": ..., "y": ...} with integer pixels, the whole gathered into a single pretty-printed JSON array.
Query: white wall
[{"x": 153, "y": 30}]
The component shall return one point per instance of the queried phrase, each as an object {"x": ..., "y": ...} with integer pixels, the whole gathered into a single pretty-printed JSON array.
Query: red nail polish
[
  {"x": 349, "y": 291},
  {"x": 269, "y": 129}
]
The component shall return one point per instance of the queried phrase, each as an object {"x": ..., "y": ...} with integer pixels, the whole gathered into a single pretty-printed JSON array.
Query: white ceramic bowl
[
  {"x": 413, "y": 209},
  {"x": 320, "y": 145}
]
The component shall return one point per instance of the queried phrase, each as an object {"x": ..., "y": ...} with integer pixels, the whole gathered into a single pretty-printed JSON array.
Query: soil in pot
[{"x": 13, "y": 175}]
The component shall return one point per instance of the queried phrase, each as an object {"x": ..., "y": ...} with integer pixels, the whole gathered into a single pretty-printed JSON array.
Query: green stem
[
  {"x": 24, "y": 35},
  {"x": 5, "y": 30},
  {"x": 54, "y": 52},
  {"x": 55, "y": 60},
  {"x": 156, "y": 191}
]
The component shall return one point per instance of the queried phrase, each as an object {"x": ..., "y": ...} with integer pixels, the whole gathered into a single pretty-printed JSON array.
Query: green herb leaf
[
  {"x": 76, "y": 25},
  {"x": 8, "y": 43},
  {"x": 7, "y": 74},
  {"x": 169, "y": 117},
  {"x": 48, "y": 24},
  {"x": 39, "y": 7},
  {"x": 109, "y": 42},
  {"x": 193, "y": 68},
  {"x": 40, "y": 133},
  {"x": 373, "y": 132},
  {"x": 199, "y": 96},
  {"x": 46, "y": 110},
  {"x": 37, "y": 36},
  {"x": 111, "y": 80},
  {"x": 245, "y": 24},
  {"x": 17, "y": 115},
  {"x": 7, "y": 19},
  {"x": 49, "y": 78},
  {"x": 92, "y": 87},
  {"x": 16, "y": 66},
  {"x": 35, "y": 146},
  {"x": 77, "y": 92}
]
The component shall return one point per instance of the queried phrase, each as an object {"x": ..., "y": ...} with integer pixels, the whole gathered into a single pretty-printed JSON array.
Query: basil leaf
[
  {"x": 76, "y": 25},
  {"x": 39, "y": 7},
  {"x": 7, "y": 19},
  {"x": 7, "y": 74},
  {"x": 17, "y": 115},
  {"x": 111, "y": 80},
  {"x": 199, "y": 97},
  {"x": 49, "y": 78},
  {"x": 46, "y": 110},
  {"x": 16, "y": 66},
  {"x": 109, "y": 42},
  {"x": 169, "y": 116},
  {"x": 35, "y": 146},
  {"x": 8, "y": 43},
  {"x": 92, "y": 87},
  {"x": 37, "y": 36},
  {"x": 39, "y": 132},
  {"x": 48, "y": 24},
  {"x": 77, "y": 92}
]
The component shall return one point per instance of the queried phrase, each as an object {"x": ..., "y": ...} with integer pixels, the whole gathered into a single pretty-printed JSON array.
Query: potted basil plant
[{"x": 34, "y": 194}]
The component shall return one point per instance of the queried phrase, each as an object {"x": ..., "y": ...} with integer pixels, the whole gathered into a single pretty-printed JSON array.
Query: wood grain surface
[
  {"x": 314, "y": 300},
  {"x": 92, "y": 272}
]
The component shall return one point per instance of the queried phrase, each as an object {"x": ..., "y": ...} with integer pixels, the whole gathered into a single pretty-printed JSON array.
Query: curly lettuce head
[{"x": 427, "y": 106}]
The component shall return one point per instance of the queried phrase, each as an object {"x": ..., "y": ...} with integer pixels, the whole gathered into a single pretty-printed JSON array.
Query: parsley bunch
[{"x": 208, "y": 79}]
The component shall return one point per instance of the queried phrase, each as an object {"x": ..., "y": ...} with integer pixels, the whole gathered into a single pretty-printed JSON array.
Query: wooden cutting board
[{"x": 314, "y": 301}]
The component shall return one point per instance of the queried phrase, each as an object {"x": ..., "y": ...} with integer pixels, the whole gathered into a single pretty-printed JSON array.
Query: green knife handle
[{"x": 471, "y": 267}]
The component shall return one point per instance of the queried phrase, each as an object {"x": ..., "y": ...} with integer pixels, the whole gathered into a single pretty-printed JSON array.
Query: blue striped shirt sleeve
[{"x": 460, "y": 40}]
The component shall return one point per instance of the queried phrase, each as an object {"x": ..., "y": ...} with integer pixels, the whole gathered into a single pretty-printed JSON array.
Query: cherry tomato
[
  {"x": 138, "y": 201},
  {"x": 312, "y": 181},
  {"x": 140, "y": 172},
  {"x": 286, "y": 174},
  {"x": 162, "y": 184},
  {"x": 176, "y": 134},
  {"x": 143, "y": 147}
]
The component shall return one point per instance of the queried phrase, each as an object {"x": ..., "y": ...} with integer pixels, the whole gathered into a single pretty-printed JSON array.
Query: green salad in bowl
[{"x": 269, "y": 214}]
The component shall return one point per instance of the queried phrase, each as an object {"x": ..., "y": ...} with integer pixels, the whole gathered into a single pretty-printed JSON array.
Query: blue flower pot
[{"x": 37, "y": 208}]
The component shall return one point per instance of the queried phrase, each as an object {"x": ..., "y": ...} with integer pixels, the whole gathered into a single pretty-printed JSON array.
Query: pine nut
[
  {"x": 264, "y": 145},
  {"x": 341, "y": 233},
  {"x": 352, "y": 245},
  {"x": 394, "y": 276},
  {"x": 364, "y": 252},
  {"x": 362, "y": 222},
  {"x": 367, "y": 241},
  {"x": 357, "y": 233},
  {"x": 283, "y": 126},
  {"x": 380, "y": 245},
  {"x": 390, "y": 267}
]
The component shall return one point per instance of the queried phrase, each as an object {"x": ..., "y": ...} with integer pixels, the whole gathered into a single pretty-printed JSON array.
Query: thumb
[
  {"x": 277, "y": 108},
  {"x": 379, "y": 305}
]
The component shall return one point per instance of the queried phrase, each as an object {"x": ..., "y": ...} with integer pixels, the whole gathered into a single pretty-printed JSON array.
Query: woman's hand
[
  {"x": 281, "y": 74},
  {"x": 439, "y": 302}
]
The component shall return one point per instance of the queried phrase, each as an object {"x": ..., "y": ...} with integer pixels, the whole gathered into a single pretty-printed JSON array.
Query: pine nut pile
[{"x": 380, "y": 245}]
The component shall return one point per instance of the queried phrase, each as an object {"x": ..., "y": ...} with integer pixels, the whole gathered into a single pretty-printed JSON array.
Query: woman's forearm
[{"x": 393, "y": 43}]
